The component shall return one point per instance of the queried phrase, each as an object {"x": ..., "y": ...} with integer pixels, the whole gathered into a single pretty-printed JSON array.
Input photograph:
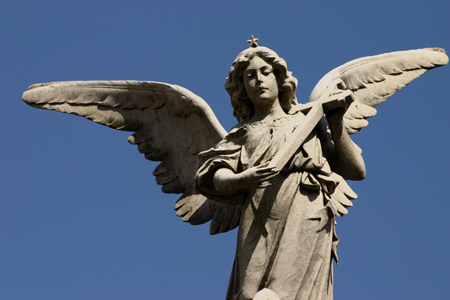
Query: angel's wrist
[{"x": 335, "y": 121}]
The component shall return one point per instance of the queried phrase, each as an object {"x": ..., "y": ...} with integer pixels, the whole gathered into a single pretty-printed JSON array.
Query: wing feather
[
  {"x": 171, "y": 125},
  {"x": 373, "y": 79}
]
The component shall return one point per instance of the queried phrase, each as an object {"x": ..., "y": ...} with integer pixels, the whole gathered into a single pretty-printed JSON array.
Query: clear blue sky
[{"x": 81, "y": 216}]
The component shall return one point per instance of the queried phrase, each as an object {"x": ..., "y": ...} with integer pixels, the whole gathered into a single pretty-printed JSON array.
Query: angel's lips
[
  {"x": 261, "y": 90},
  {"x": 165, "y": 180}
]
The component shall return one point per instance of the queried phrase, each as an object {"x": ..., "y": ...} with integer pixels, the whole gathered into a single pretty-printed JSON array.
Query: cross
[{"x": 333, "y": 98}]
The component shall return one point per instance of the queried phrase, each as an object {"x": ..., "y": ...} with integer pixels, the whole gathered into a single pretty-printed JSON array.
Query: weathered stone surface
[
  {"x": 283, "y": 196},
  {"x": 266, "y": 294}
]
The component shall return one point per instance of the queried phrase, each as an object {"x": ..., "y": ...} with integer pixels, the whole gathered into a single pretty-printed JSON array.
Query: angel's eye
[{"x": 266, "y": 71}]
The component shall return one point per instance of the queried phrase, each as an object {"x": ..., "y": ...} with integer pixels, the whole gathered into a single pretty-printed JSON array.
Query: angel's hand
[
  {"x": 228, "y": 182},
  {"x": 337, "y": 90},
  {"x": 257, "y": 177},
  {"x": 346, "y": 98}
]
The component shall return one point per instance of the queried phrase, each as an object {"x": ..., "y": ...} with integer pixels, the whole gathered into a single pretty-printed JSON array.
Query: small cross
[{"x": 253, "y": 42}]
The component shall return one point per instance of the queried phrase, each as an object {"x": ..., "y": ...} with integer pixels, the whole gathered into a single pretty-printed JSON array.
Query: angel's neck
[{"x": 266, "y": 111}]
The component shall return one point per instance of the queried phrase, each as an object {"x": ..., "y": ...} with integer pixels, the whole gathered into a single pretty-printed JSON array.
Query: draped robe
[{"x": 286, "y": 239}]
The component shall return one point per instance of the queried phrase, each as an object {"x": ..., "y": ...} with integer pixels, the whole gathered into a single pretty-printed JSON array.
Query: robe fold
[{"x": 286, "y": 239}]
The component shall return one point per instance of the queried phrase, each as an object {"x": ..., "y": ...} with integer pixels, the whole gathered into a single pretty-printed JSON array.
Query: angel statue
[{"x": 279, "y": 174}]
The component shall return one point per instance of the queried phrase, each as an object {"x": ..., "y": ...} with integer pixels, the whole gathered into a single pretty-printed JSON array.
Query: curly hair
[{"x": 287, "y": 84}]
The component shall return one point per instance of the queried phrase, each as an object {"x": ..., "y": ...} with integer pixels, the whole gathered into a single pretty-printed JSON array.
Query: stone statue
[{"x": 280, "y": 174}]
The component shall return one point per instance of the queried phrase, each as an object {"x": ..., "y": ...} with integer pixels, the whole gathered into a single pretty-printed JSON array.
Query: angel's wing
[
  {"x": 171, "y": 125},
  {"x": 375, "y": 78}
]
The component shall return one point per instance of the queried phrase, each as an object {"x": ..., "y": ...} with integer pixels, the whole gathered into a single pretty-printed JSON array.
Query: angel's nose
[{"x": 259, "y": 77}]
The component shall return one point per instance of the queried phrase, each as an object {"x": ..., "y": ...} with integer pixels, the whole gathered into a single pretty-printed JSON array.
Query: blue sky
[{"x": 81, "y": 216}]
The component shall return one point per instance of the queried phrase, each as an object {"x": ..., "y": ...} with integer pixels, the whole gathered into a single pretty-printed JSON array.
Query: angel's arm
[
  {"x": 228, "y": 182},
  {"x": 372, "y": 80},
  {"x": 343, "y": 155}
]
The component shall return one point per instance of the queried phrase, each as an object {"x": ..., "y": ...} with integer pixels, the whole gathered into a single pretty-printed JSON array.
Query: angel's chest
[{"x": 263, "y": 142}]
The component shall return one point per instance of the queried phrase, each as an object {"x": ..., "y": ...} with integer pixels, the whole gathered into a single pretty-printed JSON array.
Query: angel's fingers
[
  {"x": 341, "y": 84},
  {"x": 264, "y": 185},
  {"x": 332, "y": 85},
  {"x": 267, "y": 176},
  {"x": 265, "y": 167},
  {"x": 266, "y": 173}
]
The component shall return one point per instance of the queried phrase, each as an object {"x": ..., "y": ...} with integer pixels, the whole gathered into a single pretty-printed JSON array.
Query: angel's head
[{"x": 287, "y": 84}]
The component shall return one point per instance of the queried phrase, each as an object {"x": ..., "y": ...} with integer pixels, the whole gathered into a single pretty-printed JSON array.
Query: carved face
[{"x": 260, "y": 82}]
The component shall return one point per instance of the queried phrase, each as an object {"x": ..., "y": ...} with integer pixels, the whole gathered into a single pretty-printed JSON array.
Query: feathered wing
[
  {"x": 375, "y": 78},
  {"x": 171, "y": 125}
]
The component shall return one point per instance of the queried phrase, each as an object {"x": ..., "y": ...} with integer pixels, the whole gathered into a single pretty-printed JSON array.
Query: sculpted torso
[{"x": 279, "y": 199}]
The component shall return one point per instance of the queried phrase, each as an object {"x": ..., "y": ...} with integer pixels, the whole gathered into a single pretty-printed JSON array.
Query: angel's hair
[{"x": 287, "y": 84}]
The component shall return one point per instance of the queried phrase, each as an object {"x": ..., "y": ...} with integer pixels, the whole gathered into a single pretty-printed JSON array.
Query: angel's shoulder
[{"x": 236, "y": 133}]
